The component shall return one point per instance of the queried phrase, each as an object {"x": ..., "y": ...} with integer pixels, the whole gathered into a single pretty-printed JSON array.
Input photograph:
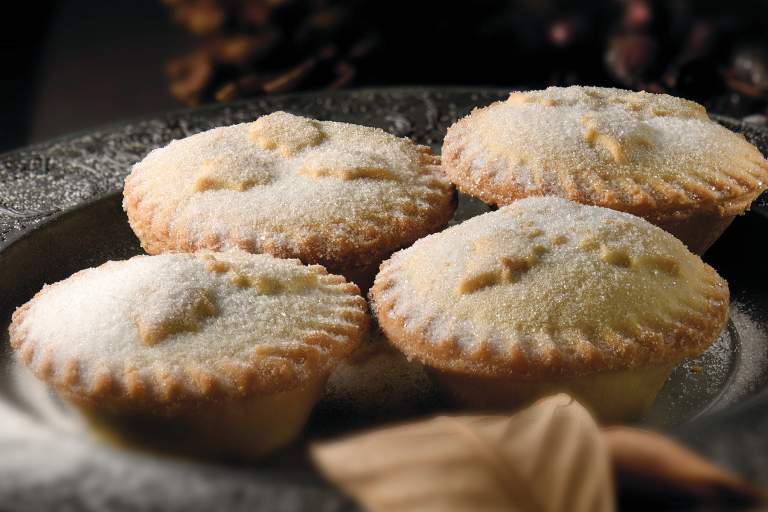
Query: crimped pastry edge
[
  {"x": 688, "y": 337},
  {"x": 277, "y": 369},
  {"x": 339, "y": 255},
  {"x": 631, "y": 199}
]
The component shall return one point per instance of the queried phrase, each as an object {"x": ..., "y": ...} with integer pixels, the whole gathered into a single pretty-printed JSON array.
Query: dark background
[{"x": 74, "y": 64}]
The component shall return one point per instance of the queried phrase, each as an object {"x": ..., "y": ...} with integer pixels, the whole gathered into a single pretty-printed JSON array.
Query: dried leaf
[
  {"x": 659, "y": 469},
  {"x": 549, "y": 457}
]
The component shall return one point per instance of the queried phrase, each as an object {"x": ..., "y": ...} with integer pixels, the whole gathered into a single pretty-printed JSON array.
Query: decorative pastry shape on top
[
  {"x": 173, "y": 312},
  {"x": 207, "y": 353},
  {"x": 237, "y": 172},
  {"x": 341, "y": 195},
  {"x": 653, "y": 155},
  {"x": 546, "y": 295},
  {"x": 163, "y": 318},
  {"x": 286, "y": 133}
]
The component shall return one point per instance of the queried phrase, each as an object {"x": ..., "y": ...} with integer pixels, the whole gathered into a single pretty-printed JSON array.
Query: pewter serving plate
[{"x": 60, "y": 211}]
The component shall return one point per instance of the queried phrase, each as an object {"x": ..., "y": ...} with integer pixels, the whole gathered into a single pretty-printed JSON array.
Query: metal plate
[{"x": 60, "y": 212}]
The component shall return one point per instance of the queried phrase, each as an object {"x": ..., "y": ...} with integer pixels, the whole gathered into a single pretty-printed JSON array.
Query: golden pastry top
[
  {"x": 601, "y": 98},
  {"x": 632, "y": 151},
  {"x": 286, "y": 133},
  {"x": 233, "y": 171},
  {"x": 195, "y": 320},
  {"x": 547, "y": 280},
  {"x": 171, "y": 311},
  {"x": 283, "y": 183}
]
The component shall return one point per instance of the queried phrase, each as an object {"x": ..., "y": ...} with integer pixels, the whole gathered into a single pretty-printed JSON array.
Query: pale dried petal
[{"x": 550, "y": 457}]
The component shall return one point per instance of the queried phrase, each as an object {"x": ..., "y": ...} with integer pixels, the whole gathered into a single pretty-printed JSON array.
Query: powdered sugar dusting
[
  {"x": 544, "y": 140},
  {"x": 544, "y": 266},
  {"x": 337, "y": 186},
  {"x": 173, "y": 312}
]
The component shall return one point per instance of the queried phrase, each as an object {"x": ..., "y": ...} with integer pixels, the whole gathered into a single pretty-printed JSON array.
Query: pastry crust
[
  {"x": 340, "y": 195},
  {"x": 164, "y": 331},
  {"x": 656, "y": 156},
  {"x": 547, "y": 288},
  {"x": 611, "y": 396}
]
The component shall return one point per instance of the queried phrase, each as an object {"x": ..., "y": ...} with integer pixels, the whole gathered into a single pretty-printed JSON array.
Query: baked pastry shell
[
  {"x": 698, "y": 231},
  {"x": 276, "y": 368},
  {"x": 237, "y": 412},
  {"x": 695, "y": 215},
  {"x": 357, "y": 259},
  {"x": 613, "y": 396},
  {"x": 617, "y": 385},
  {"x": 690, "y": 336},
  {"x": 237, "y": 429}
]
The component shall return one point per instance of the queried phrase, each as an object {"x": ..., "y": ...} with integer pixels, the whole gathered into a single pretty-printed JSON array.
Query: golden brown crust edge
[
  {"x": 272, "y": 370},
  {"x": 153, "y": 229},
  {"x": 687, "y": 337},
  {"x": 630, "y": 197}
]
